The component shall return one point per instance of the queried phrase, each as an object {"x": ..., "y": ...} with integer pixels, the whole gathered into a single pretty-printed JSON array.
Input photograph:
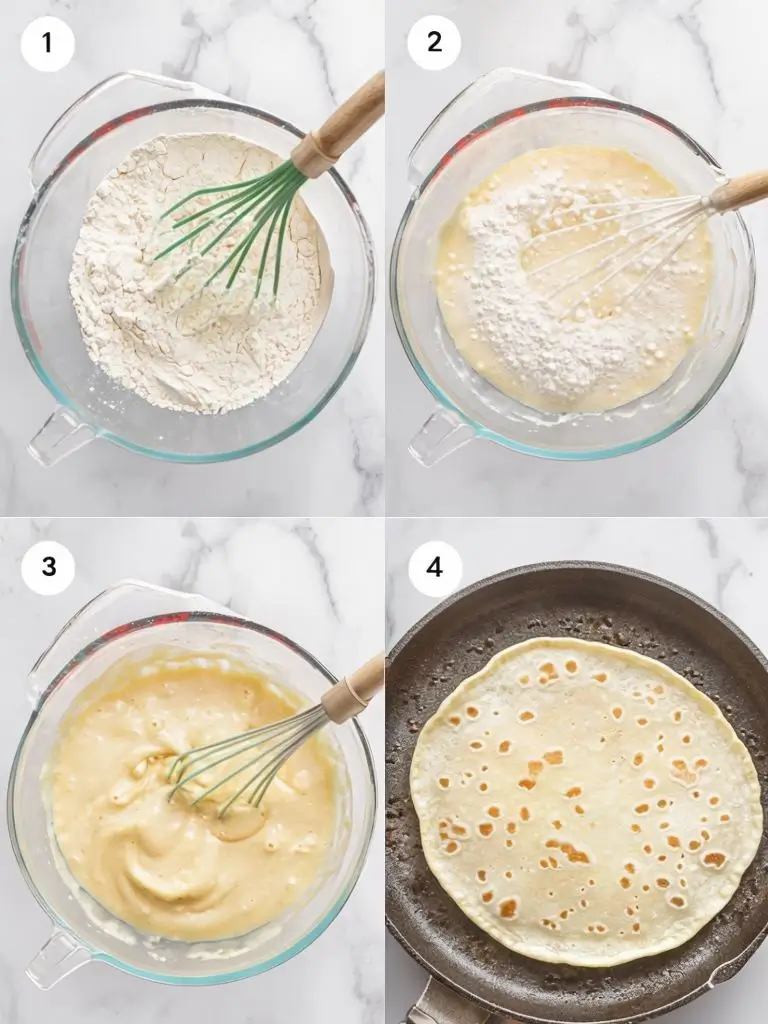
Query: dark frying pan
[{"x": 594, "y": 601}]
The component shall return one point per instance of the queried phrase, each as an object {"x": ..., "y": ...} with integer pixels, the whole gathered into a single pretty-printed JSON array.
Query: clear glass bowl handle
[
  {"x": 491, "y": 94},
  {"x": 118, "y": 604},
  {"x": 61, "y": 955},
  {"x": 116, "y": 95}
]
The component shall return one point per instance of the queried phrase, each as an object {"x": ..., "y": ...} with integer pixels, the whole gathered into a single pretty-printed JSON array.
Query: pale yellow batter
[
  {"x": 167, "y": 868},
  {"x": 559, "y": 352}
]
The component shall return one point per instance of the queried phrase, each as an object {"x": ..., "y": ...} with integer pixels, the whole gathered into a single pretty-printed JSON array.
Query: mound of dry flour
[{"x": 180, "y": 346}]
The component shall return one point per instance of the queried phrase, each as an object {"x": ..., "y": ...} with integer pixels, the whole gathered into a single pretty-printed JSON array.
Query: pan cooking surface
[{"x": 611, "y": 605}]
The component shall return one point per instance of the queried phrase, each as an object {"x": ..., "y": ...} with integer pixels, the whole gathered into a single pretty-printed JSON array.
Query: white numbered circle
[
  {"x": 48, "y": 44},
  {"x": 435, "y": 569},
  {"x": 48, "y": 568},
  {"x": 434, "y": 42}
]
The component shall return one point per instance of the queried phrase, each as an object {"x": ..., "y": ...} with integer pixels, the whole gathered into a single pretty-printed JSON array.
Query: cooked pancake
[{"x": 584, "y": 804}]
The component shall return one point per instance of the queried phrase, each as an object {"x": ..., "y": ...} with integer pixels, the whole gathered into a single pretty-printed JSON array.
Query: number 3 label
[
  {"x": 48, "y": 44},
  {"x": 48, "y": 568},
  {"x": 435, "y": 569},
  {"x": 434, "y": 42}
]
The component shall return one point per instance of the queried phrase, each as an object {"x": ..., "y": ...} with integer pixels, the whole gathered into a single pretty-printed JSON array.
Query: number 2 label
[{"x": 434, "y": 42}]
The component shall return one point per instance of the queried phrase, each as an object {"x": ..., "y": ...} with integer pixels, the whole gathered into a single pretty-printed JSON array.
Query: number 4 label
[
  {"x": 435, "y": 569},
  {"x": 434, "y": 42}
]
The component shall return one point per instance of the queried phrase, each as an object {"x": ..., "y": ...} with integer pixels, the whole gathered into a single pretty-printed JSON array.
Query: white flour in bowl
[{"x": 178, "y": 345}]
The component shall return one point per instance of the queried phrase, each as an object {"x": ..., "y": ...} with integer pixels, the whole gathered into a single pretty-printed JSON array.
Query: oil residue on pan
[{"x": 610, "y": 604}]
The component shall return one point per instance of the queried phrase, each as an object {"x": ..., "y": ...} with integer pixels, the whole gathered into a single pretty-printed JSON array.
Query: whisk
[
  {"x": 270, "y": 746},
  {"x": 649, "y": 232},
  {"x": 267, "y": 199}
]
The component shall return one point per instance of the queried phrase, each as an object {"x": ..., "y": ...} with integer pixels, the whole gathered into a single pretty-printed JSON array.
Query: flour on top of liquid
[{"x": 560, "y": 354}]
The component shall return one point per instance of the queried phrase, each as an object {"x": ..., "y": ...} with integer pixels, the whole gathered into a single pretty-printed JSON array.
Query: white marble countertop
[
  {"x": 701, "y": 64},
  {"x": 724, "y": 561},
  {"x": 313, "y": 580},
  {"x": 322, "y": 50}
]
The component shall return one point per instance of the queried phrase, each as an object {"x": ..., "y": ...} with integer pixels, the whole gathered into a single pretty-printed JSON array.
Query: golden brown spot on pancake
[
  {"x": 543, "y": 863},
  {"x": 658, "y": 689},
  {"x": 483, "y": 787},
  {"x": 678, "y": 716},
  {"x": 476, "y": 744},
  {"x": 526, "y": 716},
  {"x": 600, "y": 677},
  {"x": 662, "y": 883},
  {"x": 642, "y": 809},
  {"x": 591, "y": 881},
  {"x": 482, "y": 874},
  {"x": 552, "y": 844},
  {"x": 635, "y": 927},
  {"x": 725, "y": 817},
  {"x": 714, "y": 801},
  {"x": 641, "y": 721},
  {"x": 686, "y": 738},
  {"x": 714, "y": 860},
  {"x": 629, "y": 868},
  {"x": 573, "y": 791},
  {"x": 443, "y": 835},
  {"x": 526, "y": 784},
  {"x": 583, "y": 904},
  {"x": 525, "y": 814},
  {"x": 694, "y": 845},
  {"x": 676, "y": 901},
  {"x": 552, "y": 862},
  {"x": 660, "y": 748},
  {"x": 454, "y": 720},
  {"x": 548, "y": 669},
  {"x": 650, "y": 700},
  {"x": 487, "y": 896},
  {"x": 485, "y": 828},
  {"x": 674, "y": 842},
  {"x": 535, "y": 768},
  {"x": 617, "y": 712},
  {"x": 683, "y": 884},
  {"x": 701, "y": 762},
  {"x": 508, "y": 908},
  {"x": 571, "y": 666},
  {"x": 661, "y": 858},
  {"x": 511, "y": 827},
  {"x": 682, "y": 772},
  {"x": 564, "y": 915},
  {"x": 600, "y": 928},
  {"x": 557, "y": 824},
  {"x": 637, "y": 760},
  {"x": 646, "y": 888},
  {"x": 523, "y": 680},
  {"x": 649, "y": 783},
  {"x": 472, "y": 711},
  {"x": 635, "y": 828},
  {"x": 696, "y": 794},
  {"x": 504, "y": 747},
  {"x": 578, "y": 808},
  {"x": 648, "y": 848},
  {"x": 661, "y": 804},
  {"x": 554, "y": 757},
  {"x": 451, "y": 847},
  {"x": 705, "y": 835},
  {"x": 445, "y": 783},
  {"x": 507, "y": 874},
  {"x": 510, "y": 843},
  {"x": 494, "y": 811},
  {"x": 459, "y": 830},
  {"x": 625, "y": 882},
  {"x": 663, "y": 825}
]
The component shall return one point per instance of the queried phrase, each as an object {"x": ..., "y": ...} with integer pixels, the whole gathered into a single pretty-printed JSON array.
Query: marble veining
[
  {"x": 334, "y": 466},
  {"x": 724, "y": 561},
  {"x": 312, "y": 580},
  {"x": 698, "y": 63}
]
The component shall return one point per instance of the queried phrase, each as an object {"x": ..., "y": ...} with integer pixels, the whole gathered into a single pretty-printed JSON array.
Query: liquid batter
[
  {"x": 564, "y": 352},
  {"x": 165, "y": 867}
]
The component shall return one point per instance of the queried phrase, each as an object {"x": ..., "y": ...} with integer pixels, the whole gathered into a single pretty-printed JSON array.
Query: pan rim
[{"x": 729, "y": 968}]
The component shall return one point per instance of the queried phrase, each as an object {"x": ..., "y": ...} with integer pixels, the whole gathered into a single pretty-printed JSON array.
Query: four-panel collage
[{"x": 382, "y": 497}]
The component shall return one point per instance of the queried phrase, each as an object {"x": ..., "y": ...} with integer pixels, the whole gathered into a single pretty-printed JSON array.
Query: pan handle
[{"x": 440, "y": 1005}]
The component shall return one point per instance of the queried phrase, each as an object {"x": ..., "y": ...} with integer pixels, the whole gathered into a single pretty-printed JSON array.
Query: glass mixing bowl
[
  {"x": 497, "y": 122},
  {"x": 105, "y": 631},
  {"x": 121, "y": 113}
]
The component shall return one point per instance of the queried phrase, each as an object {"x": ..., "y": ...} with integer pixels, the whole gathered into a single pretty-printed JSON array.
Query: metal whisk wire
[
  {"x": 648, "y": 225},
  {"x": 273, "y": 743}
]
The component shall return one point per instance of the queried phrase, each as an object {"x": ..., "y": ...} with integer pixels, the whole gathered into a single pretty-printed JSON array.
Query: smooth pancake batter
[
  {"x": 561, "y": 352},
  {"x": 165, "y": 867}
]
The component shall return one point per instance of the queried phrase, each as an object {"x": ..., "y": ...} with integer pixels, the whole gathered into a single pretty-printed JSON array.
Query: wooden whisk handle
[
  {"x": 741, "y": 191},
  {"x": 351, "y": 695},
  {"x": 321, "y": 149}
]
